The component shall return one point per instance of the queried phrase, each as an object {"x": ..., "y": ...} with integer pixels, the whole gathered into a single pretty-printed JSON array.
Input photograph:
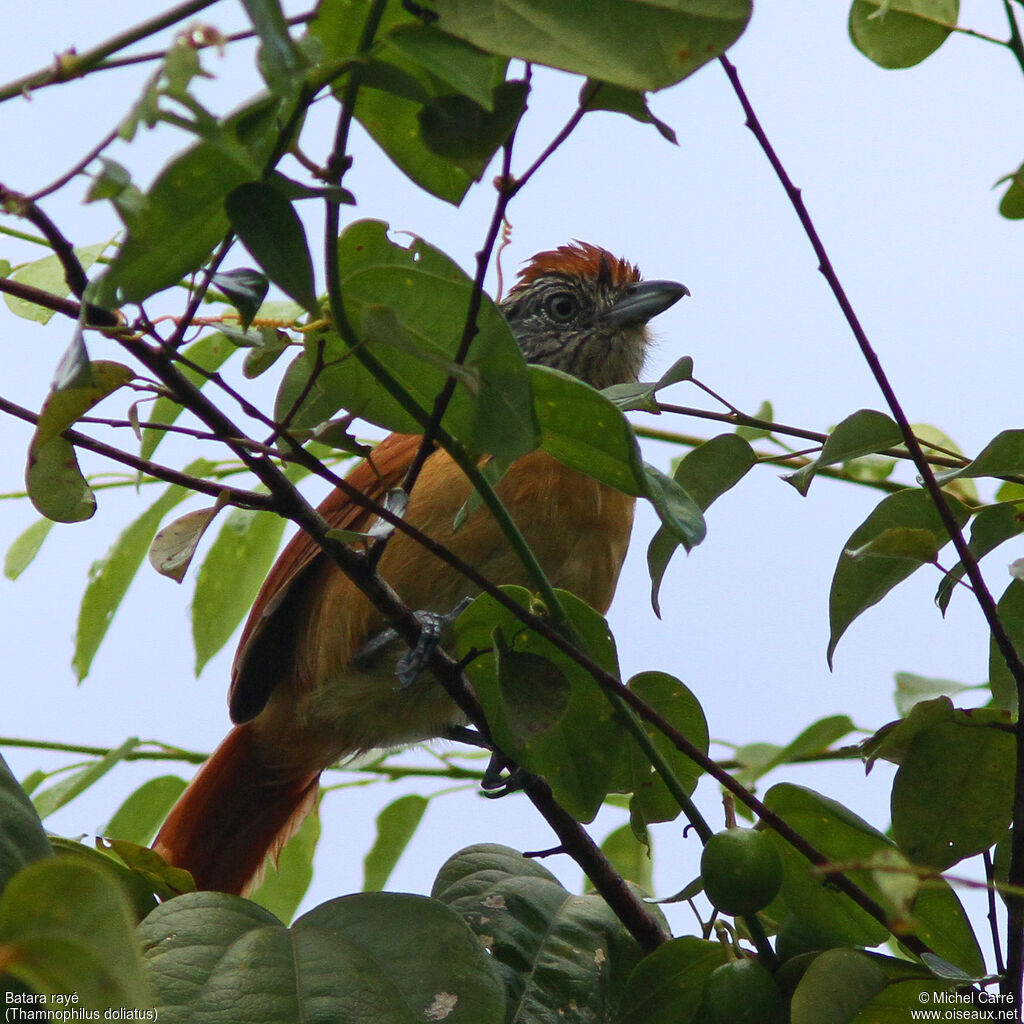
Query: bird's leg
[{"x": 411, "y": 664}]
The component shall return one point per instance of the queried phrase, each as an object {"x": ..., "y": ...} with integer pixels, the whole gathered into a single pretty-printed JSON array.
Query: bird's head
[{"x": 579, "y": 309}]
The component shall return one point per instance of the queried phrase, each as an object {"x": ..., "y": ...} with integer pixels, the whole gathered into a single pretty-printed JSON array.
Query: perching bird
[{"x": 301, "y": 694}]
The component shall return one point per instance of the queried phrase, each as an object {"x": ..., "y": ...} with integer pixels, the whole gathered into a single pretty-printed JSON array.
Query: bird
[{"x": 307, "y": 690}]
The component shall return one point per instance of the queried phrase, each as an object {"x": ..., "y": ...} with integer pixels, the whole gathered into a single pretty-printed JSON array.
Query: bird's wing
[{"x": 267, "y": 643}]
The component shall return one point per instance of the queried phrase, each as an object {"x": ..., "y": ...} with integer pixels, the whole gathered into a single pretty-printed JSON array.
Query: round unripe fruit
[
  {"x": 741, "y": 869},
  {"x": 742, "y": 992}
]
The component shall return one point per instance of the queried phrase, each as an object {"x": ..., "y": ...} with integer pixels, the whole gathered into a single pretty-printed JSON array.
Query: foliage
[{"x": 375, "y": 331}]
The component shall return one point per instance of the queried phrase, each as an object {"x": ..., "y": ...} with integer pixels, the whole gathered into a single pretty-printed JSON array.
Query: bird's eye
[{"x": 562, "y": 306}]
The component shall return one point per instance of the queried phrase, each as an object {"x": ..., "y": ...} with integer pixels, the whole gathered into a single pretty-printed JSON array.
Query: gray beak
[{"x": 643, "y": 301}]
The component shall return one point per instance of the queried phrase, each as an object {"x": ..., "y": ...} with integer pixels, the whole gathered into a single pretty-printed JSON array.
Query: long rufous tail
[{"x": 234, "y": 815}]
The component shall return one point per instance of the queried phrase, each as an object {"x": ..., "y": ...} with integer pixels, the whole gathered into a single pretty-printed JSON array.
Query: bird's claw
[{"x": 495, "y": 784}]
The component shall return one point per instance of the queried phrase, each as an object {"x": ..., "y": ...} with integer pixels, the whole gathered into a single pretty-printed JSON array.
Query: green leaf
[
  {"x": 53, "y": 479},
  {"x": 861, "y": 433},
  {"x": 529, "y": 924},
  {"x": 396, "y": 825},
  {"x": 286, "y": 883},
  {"x": 462, "y": 131},
  {"x": 679, "y": 513},
  {"x": 56, "y": 486},
  {"x": 111, "y": 576},
  {"x": 134, "y": 885},
  {"x": 916, "y": 543},
  {"x": 815, "y": 739},
  {"x": 841, "y": 836},
  {"x": 428, "y": 295},
  {"x": 182, "y": 216},
  {"x": 387, "y": 107},
  {"x": 22, "y": 839},
  {"x": 66, "y": 928},
  {"x": 576, "y": 751},
  {"x": 629, "y": 857},
  {"x": 836, "y": 986},
  {"x": 911, "y": 689},
  {"x": 467, "y": 69},
  {"x": 652, "y": 800},
  {"x": 142, "y": 812},
  {"x": 950, "y": 799},
  {"x": 363, "y": 959},
  {"x": 1002, "y": 456},
  {"x": 585, "y": 430},
  {"x": 1011, "y": 613},
  {"x": 989, "y": 528},
  {"x": 63, "y": 792},
  {"x": 48, "y": 275},
  {"x": 638, "y": 45},
  {"x": 667, "y": 985},
  {"x": 25, "y": 547},
  {"x": 901, "y": 33},
  {"x": 271, "y": 230},
  {"x": 706, "y": 473},
  {"x": 633, "y": 102},
  {"x": 79, "y": 386},
  {"x": 230, "y": 577},
  {"x": 859, "y": 583},
  {"x": 245, "y": 289}
]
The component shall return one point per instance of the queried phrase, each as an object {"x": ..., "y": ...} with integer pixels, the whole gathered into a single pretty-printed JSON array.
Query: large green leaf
[
  {"x": 394, "y": 90},
  {"x": 562, "y": 956},
  {"x": 950, "y": 799},
  {"x": 863, "y": 578},
  {"x": 111, "y": 576},
  {"x": 652, "y": 800},
  {"x": 396, "y": 825},
  {"x": 271, "y": 230},
  {"x": 409, "y": 306},
  {"x": 361, "y": 959},
  {"x": 827, "y": 917},
  {"x": 543, "y": 709},
  {"x": 66, "y": 928},
  {"x": 668, "y": 985},
  {"x": 175, "y": 227},
  {"x": 22, "y": 839},
  {"x": 1011, "y": 614},
  {"x": 640, "y": 45},
  {"x": 53, "y": 480},
  {"x": 588, "y": 432}
]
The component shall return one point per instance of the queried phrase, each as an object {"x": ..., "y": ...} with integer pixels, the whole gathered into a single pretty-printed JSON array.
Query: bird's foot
[
  {"x": 411, "y": 664},
  {"x": 432, "y": 626}
]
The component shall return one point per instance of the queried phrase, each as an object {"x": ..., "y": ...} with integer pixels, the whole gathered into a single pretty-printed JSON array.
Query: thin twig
[{"x": 70, "y": 65}]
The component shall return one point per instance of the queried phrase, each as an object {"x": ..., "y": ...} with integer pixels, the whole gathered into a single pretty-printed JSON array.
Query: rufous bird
[{"x": 301, "y": 695}]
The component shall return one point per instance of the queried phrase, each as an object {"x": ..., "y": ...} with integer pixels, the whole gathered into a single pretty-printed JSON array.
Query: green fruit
[
  {"x": 741, "y": 869},
  {"x": 742, "y": 992}
]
